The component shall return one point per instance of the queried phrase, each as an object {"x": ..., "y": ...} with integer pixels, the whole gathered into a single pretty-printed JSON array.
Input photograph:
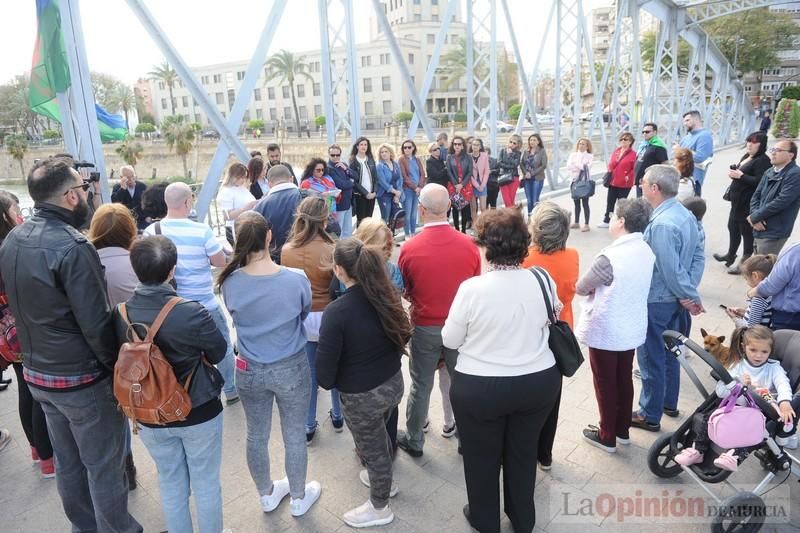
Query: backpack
[{"x": 144, "y": 381}]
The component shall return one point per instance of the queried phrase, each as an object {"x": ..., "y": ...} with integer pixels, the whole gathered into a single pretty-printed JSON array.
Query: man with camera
[{"x": 128, "y": 192}]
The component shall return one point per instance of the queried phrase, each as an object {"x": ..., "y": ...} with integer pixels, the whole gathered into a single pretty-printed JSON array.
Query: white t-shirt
[
  {"x": 230, "y": 198},
  {"x": 196, "y": 244},
  {"x": 366, "y": 175}
]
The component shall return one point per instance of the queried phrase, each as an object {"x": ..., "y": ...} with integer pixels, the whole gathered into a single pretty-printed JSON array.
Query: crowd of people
[{"x": 316, "y": 300}]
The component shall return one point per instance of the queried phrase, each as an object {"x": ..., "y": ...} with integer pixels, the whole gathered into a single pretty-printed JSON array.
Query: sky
[{"x": 205, "y": 32}]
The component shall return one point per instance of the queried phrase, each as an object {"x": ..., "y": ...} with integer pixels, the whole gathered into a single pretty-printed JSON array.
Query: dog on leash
[{"x": 713, "y": 345}]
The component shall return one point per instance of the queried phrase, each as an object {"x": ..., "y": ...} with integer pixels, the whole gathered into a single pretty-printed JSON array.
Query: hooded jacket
[{"x": 652, "y": 152}]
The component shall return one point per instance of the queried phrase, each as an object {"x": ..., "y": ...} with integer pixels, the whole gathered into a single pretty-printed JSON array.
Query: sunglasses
[
  {"x": 336, "y": 155},
  {"x": 458, "y": 144},
  {"x": 645, "y": 132},
  {"x": 319, "y": 170},
  {"x": 407, "y": 147},
  {"x": 85, "y": 186}
]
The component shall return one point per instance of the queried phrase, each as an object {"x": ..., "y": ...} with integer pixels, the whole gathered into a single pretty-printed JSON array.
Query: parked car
[
  {"x": 502, "y": 127},
  {"x": 544, "y": 118},
  {"x": 210, "y": 134}
]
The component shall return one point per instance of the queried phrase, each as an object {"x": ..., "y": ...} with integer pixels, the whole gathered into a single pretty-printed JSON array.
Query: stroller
[{"x": 744, "y": 511}]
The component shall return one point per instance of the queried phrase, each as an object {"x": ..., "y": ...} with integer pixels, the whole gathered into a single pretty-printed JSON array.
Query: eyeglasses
[
  {"x": 407, "y": 147},
  {"x": 319, "y": 170},
  {"x": 85, "y": 186},
  {"x": 336, "y": 155},
  {"x": 776, "y": 150},
  {"x": 645, "y": 132},
  {"x": 458, "y": 144},
  {"x": 512, "y": 142}
]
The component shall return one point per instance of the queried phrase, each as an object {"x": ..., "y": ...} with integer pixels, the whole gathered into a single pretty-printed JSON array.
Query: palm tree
[
  {"x": 17, "y": 145},
  {"x": 179, "y": 135},
  {"x": 123, "y": 100},
  {"x": 166, "y": 74},
  {"x": 288, "y": 67},
  {"x": 130, "y": 150}
]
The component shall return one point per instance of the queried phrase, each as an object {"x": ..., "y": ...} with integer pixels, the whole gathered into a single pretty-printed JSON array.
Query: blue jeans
[
  {"x": 410, "y": 204},
  {"x": 385, "y": 204},
  {"x": 225, "y": 366},
  {"x": 88, "y": 433},
  {"x": 345, "y": 220},
  {"x": 698, "y": 188},
  {"x": 188, "y": 460},
  {"x": 336, "y": 406},
  {"x": 533, "y": 189},
  {"x": 659, "y": 368}
]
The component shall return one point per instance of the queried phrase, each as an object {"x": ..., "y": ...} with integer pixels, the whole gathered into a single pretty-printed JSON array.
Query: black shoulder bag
[{"x": 562, "y": 342}]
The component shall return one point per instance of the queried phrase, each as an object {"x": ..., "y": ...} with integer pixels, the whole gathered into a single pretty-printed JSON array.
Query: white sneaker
[
  {"x": 300, "y": 506},
  {"x": 365, "y": 515},
  {"x": 364, "y": 477},
  {"x": 602, "y": 225},
  {"x": 5, "y": 438},
  {"x": 280, "y": 489}
]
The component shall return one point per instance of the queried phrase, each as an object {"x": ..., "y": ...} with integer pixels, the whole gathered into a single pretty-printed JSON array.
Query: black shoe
[
  {"x": 5, "y": 381},
  {"x": 727, "y": 259},
  {"x": 130, "y": 472},
  {"x": 640, "y": 422},
  {"x": 338, "y": 423},
  {"x": 466, "y": 515},
  {"x": 402, "y": 443},
  {"x": 310, "y": 436},
  {"x": 592, "y": 436},
  {"x": 672, "y": 413}
]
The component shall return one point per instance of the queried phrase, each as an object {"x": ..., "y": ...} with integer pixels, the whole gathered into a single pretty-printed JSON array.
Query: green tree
[
  {"x": 403, "y": 116},
  {"x": 17, "y": 145},
  {"x": 145, "y": 127},
  {"x": 164, "y": 73},
  {"x": 122, "y": 99},
  {"x": 179, "y": 136},
  {"x": 255, "y": 124},
  {"x": 781, "y": 120},
  {"x": 51, "y": 134},
  {"x": 460, "y": 116},
  {"x": 130, "y": 150},
  {"x": 15, "y": 113},
  {"x": 288, "y": 67},
  {"x": 793, "y": 92},
  {"x": 647, "y": 46},
  {"x": 104, "y": 86},
  {"x": 320, "y": 121},
  {"x": 514, "y": 111},
  {"x": 794, "y": 120}
]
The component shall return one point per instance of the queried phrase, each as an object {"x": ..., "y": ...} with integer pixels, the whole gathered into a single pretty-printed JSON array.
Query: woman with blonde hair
[
  {"x": 509, "y": 160},
  {"x": 580, "y": 161},
  {"x": 234, "y": 197},
  {"x": 390, "y": 182},
  {"x": 374, "y": 232},
  {"x": 310, "y": 249}
]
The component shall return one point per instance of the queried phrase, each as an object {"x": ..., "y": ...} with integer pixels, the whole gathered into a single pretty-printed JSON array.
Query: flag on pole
[{"x": 50, "y": 73}]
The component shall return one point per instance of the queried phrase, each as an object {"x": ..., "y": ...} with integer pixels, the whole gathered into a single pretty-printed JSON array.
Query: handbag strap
[{"x": 550, "y": 314}]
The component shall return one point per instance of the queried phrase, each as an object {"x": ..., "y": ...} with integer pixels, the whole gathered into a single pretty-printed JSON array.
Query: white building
[{"x": 382, "y": 92}]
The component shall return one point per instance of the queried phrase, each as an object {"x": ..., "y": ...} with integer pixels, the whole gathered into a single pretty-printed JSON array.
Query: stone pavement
[{"x": 432, "y": 488}]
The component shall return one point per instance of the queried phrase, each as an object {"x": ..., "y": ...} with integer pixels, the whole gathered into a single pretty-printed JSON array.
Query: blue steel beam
[
  {"x": 401, "y": 63},
  {"x": 209, "y": 189},
  {"x": 521, "y": 73},
  {"x": 433, "y": 64},
  {"x": 327, "y": 84},
  {"x": 352, "y": 74},
  {"x": 493, "y": 77},
  {"x": 470, "y": 76},
  {"x": 189, "y": 80}
]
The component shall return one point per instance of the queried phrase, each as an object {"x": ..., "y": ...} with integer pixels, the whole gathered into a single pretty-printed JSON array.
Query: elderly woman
[
  {"x": 112, "y": 232},
  {"x": 500, "y": 360},
  {"x": 549, "y": 225},
  {"x": 614, "y": 320}
]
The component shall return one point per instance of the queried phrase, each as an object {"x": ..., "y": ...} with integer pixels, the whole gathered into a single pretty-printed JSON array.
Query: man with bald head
[
  {"x": 128, "y": 192},
  {"x": 56, "y": 290},
  {"x": 198, "y": 251},
  {"x": 433, "y": 265}
]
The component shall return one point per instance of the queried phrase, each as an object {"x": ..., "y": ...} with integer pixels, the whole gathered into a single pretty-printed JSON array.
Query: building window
[
  {"x": 285, "y": 90},
  {"x": 387, "y": 107},
  {"x": 217, "y": 78},
  {"x": 434, "y": 2},
  {"x": 431, "y": 38},
  {"x": 185, "y": 101},
  {"x": 224, "y": 114},
  {"x": 240, "y": 75},
  {"x": 366, "y": 61},
  {"x": 315, "y": 88},
  {"x": 287, "y": 112},
  {"x": 417, "y": 17},
  {"x": 204, "y": 80},
  {"x": 317, "y": 110},
  {"x": 259, "y": 113},
  {"x": 220, "y": 98},
  {"x": 187, "y": 118},
  {"x": 368, "y": 108},
  {"x": 302, "y": 112},
  {"x": 367, "y": 85},
  {"x": 231, "y": 98},
  {"x": 316, "y": 66},
  {"x": 194, "y": 102},
  {"x": 257, "y": 95},
  {"x": 386, "y": 83},
  {"x": 163, "y": 103},
  {"x": 161, "y": 85},
  {"x": 273, "y": 113},
  {"x": 266, "y": 73},
  {"x": 301, "y": 90},
  {"x": 435, "y": 18},
  {"x": 246, "y": 116},
  {"x": 410, "y": 59},
  {"x": 386, "y": 59},
  {"x": 417, "y": 2},
  {"x": 271, "y": 93}
]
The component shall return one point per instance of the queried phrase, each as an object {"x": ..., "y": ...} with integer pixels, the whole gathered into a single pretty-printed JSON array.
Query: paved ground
[{"x": 432, "y": 488}]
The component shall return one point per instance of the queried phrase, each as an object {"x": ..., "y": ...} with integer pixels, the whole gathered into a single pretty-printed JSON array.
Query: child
[
  {"x": 750, "y": 348},
  {"x": 759, "y": 310}
]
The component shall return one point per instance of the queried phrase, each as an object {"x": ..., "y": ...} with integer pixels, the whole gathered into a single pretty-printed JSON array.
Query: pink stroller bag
[{"x": 736, "y": 426}]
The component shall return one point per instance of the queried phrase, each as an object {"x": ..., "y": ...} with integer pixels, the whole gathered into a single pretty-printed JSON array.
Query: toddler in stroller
[{"x": 750, "y": 365}]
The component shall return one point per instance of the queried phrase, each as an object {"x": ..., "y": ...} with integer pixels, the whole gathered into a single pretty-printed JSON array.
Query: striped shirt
[
  {"x": 196, "y": 244},
  {"x": 759, "y": 312}
]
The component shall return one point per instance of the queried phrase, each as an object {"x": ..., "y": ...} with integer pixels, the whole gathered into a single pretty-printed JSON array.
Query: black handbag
[
  {"x": 505, "y": 178},
  {"x": 562, "y": 341},
  {"x": 607, "y": 179},
  {"x": 584, "y": 186}
]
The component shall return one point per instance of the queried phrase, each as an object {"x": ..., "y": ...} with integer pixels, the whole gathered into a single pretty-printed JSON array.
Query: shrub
[
  {"x": 320, "y": 121},
  {"x": 514, "y": 111},
  {"x": 403, "y": 116},
  {"x": 460, "y": 116},
  {"x": 145, "y": 127},
  {"x": 792, "y": 92},
  {"x": 255, "y": 124},
  {"x": 51, "y": 134}
]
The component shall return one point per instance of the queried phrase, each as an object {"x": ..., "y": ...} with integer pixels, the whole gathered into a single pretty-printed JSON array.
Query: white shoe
[
  {"x": 280, "y": 489},
  {"x": 364, "y": 477},
  {"x": 365, "y": 515},
  {"x": 300, "y": 506},
  {"x": 602, "y": 225},
  {"x": 5, "y": 438}
]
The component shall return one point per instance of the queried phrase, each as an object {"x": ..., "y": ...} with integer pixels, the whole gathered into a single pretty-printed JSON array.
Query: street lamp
[{"x": 738, "y": 41}]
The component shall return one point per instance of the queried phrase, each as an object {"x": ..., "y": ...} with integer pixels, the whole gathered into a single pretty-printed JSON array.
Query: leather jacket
[
  {"x": 355, "y": 172},
  {"x": 57, "y": 292},
  {"x": 188, "y": 333}
]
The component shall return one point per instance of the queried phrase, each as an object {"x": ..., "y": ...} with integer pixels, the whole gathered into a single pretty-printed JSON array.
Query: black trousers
[
  {"x": 461, "y": 217},
  {"x": 492, "y": 190},
  {"x": 548, "y": 435},
  {"x": 614, "y": 194},
  {"x": 499, "y": 422},
  {"x": 739, "y": 231},
  {"x": 364, "y": 208},
  {"x": 578, "y": 202},
  {"x": 32, "y": 418}
]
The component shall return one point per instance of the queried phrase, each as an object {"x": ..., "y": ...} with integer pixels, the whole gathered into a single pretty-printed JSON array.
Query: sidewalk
[{"x": 432, "y": 490}]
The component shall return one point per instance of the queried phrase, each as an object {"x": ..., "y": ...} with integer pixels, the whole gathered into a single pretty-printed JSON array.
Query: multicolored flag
[{"x": 50, "y": 73}]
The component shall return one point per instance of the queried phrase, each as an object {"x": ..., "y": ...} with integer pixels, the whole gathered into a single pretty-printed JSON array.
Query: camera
[
  {"x": 82, "y": 164},
  {"x": 94, "y": 176},
  {"x": 734, "y": 167}
]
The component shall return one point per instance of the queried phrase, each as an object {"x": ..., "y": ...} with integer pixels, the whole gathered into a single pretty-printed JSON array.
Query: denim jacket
[{"x": 673, "y": 236}]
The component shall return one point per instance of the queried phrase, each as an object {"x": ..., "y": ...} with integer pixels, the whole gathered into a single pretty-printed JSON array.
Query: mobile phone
[{"x": 725, "y": 307}]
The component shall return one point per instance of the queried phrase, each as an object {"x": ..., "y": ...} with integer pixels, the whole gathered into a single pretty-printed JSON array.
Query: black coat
[
  {"x": 436, "y": 171},
  {"x": 355, "y": 172},
  {"x": 134, "y": 203},
  {"x": 741, "y": 190}
]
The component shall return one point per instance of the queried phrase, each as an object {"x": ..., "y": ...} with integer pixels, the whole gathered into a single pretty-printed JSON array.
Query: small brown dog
[{"x": 713, "y": 345}]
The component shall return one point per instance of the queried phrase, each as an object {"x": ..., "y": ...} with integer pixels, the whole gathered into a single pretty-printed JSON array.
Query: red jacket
[
  {"x": 621, "y": 168},
  {"x": 433, "y": 265}
]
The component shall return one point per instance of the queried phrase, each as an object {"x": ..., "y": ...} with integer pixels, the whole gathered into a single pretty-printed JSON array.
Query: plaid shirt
[{"x": 46, "y": 381}]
